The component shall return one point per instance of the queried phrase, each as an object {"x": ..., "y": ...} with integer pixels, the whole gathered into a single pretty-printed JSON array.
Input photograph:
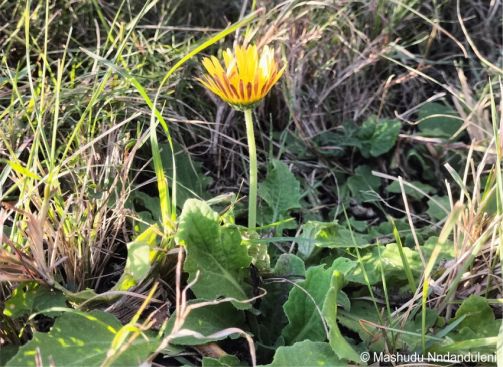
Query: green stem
[{"x": 252, "y": 196}]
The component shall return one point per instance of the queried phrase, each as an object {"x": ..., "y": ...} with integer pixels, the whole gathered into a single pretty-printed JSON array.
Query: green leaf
[
  {"x": 289, "y": 265},
  {"x": 438, "y": 207},
  {"x": 305, "y": 319},
  {"x": 338, "y": 343},
  {"x": 80, "y": 339},
  {"x": 391, "y": 261},
  {"x": 272, "y": 317},
  {"x": 377, "y": 137},
  {"x": 28, "y": 298},
  {"x": 259, "y": 253},
  {"x": 414, "y": 325},
  {"x": 433, "y": 125},
  {"x": 395, "y": 188},
  {"x": 207, "y": 320},
  {"x": 479, "y": 318},
  {"x": 329, "y": 235},
  {"x": 306, "y": 243},
  {"x": 141, "y": 253},
  {"x": 476, "y": 333},
  {"x": 363, "y": 184},
  {"x": 6, "y": 353},
  {"x": 146, "y": 206},
  {"x": 191, "y": 182},
  {"x": 304, "y": 310},
  {"x": 216, "y": 252},
  {"x": 306, "y": 353},
  {"x": 355, "y": 320},
  {"x": 224, "y": 361},
  {"x": 280, "y": 190}
]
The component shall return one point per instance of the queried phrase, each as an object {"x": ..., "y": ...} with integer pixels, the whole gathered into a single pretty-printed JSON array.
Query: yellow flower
[{"x": 247, "y": 78}]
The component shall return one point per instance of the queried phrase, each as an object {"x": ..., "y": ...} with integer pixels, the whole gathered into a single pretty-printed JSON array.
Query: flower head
[{"x": 246, "y": 78}]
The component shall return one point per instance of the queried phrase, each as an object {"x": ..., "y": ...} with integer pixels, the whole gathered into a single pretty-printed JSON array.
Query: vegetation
[{"x": 125, "y": 234}]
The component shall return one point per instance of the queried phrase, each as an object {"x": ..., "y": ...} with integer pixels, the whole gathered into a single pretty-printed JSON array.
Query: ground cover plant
[{"x": 351, "y": 216}]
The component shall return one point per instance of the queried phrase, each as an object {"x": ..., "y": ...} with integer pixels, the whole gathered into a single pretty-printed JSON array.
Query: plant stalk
[{"x": 252, "y": 149}]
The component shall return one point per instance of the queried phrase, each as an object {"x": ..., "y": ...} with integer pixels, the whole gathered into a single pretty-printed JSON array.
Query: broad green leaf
[
  {"x": 306, "y": 243},
  {"x": 446, "y": 252},
  {"x": 389, "y": 257},
  {"x": 337, "y": 341},
  {"x": 438, "y": 207},
  {"x": 419, "y": 162},
  {"x": 280, "y": 190},
  {"x": 146, "y": 206},
  {"x": 411, "y": 338},
  {"x": 479, "y": 318},
  {"x": 304, "y": 310},
  {"x": 259, "y": 253},
  {"x": 438, "y": 120},
  {"x": 478, "y": 346},
  {"x": 306, "y": 353},
  {"x": 28, "y": 298},
  {"x": 377, "y": 137},
  {"x": 476, "y": 333},
  {"x": 363, "y": 316},
  {"x": 141, "y": 253},
  {"x": 207, "y": 320},
  {"x": 80, "y": 339},
  {"x": 360, "y": 319},
  {"x": 363, "y": 184},
  {"x": 272, "y": 318},
  {"x": 216, "y": 252},
  {"x": 328, "y": 235},
  {"x": 6, "y": 353},
  {"x": 289, "y": 265}
]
